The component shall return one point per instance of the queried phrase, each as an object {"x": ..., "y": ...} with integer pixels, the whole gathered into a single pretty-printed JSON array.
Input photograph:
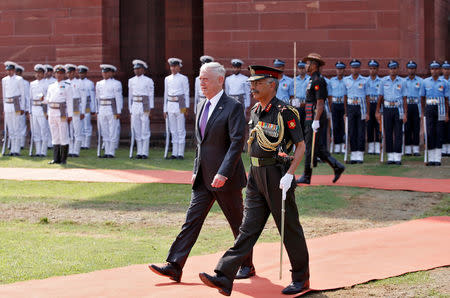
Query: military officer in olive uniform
[{"x": 275, "y": 128}]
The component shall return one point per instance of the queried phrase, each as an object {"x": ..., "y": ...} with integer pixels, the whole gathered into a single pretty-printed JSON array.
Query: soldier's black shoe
[
  {"x": 138, "y": 156},
  {"x": 172, "y": 157},
  {"x": 408, "y": 154},
  {"x": 144, "y": 156},
  {"x": 70, "y": 155},
  {"x": 390, "y": 162},
  {"x": 56, "y": 155},
  {"x": 338, "y": 172},
  {"x": 110, "y": 156},
  {"x": 296, "y": 287},
  {"x": 75, "y": 155},
  {"x": 222, "y": 283},
  {"x": 171, "y": 270},
  {"x": 64, "y": 152},
  {"x": 398, "y": 163},
  {"x": 359, "y": 162},
  {"x": 245, "y": 272},
  {"x": 180, "y": 157},
  {"x": 416, "y": 154},
  {"x": 304, "y": 179},
  {"x": 437, "y": 164}
]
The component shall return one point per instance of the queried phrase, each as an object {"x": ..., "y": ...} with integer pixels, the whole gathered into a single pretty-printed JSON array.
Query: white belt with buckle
[
  {"x": 390, "y": 104},
  {"x": 432, "y": 101},
  {"x": 9, "y": 100},
  {"x": 37, "y": 102},
  {"x": 173, "y": 98},
  {"x": 105, "y": 102},
  {"x": 337, "y": 99},
  {"x": 373, "y": 98},
  {"x": 412, "y": 100},
  {"x": 138, "y": 99},
  {"x": 54, "y": 105},
  {"x": 353, "y": 101}
]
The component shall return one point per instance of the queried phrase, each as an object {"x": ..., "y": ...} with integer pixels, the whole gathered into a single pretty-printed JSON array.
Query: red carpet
[
  {"x": 184, "y": 177},
  {"x": 336, "y": 261}
]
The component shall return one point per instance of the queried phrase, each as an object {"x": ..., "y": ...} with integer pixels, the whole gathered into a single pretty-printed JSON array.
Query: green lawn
[{"x": 412, "y": 166}]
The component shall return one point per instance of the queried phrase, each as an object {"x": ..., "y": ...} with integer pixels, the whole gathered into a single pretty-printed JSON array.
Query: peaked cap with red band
[{"x": 259, "y": 72}]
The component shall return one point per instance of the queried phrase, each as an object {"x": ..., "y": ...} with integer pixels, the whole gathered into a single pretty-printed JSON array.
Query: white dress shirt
[
  {"x": 140, "y": 86},
  {"x": 37, "y": 91},
  {"x": 60, "y": 92},
  {"x": 12, "y": 87},
  {"x": 174, "y": 85}
]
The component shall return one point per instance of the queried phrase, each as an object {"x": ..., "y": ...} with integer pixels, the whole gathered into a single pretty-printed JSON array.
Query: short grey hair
[
  {"x": 270, "y": 80},
  {"x": 215, "y": 67}
]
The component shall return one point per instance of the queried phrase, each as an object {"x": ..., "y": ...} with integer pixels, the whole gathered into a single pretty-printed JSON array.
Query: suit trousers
[
  {"x": 263, "y": 197},
  {"x": 373, "y": 127},
  {"x": 337, "y": 111},
  {"x": 392, "y": 130},
  {"x": 435, "y": 128},
  {"x": 356, "y": 129},
  {"x": 412, "y": 126},
  {"x": 202, "y": 200}
]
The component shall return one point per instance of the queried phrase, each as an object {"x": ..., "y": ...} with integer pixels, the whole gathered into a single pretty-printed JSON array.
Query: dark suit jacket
[{"x": 219, "y": 151}]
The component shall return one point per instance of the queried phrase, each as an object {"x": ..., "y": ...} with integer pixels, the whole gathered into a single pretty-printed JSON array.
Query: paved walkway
[{"x": 184, "y": 177}]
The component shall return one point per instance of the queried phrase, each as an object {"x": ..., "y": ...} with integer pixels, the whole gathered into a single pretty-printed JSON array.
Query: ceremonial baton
[
  {"x": 312, "y": 148},
  {"x": 283, "y": 211},
  {"x": 295, "y": 69},
  {"x": 331, "y": 133}
]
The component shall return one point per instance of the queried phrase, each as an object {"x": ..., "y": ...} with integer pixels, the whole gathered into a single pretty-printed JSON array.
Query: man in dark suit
[{"x": 218, "y": 173}]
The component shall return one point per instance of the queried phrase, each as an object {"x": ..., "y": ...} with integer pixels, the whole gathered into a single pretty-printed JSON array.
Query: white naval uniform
[
  {"x": 23, "y": 119},
  {"x": 88, "y": 88},
  {"x": 49, "y": 81},
  {"x": 175, "y": 86},
  {"x": 39, "y": 122},
  {"x": 117, "y": 133},
  {"x": 139, "y": 87},
  {"x": 13, "y": 87},
  {"x": 237, "y": 85},
  {"x": 79, "y": 108},
  {"x": 59, "y": 93},
  {"x": 199, "y": 96},
  {"x": 107, "y": 93}
]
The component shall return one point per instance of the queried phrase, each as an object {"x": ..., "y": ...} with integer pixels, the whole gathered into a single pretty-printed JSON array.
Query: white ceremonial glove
[
  {"x": 286, "y": 182},
  {"x": 296, "y": 102},
  {"x": 315, "y": 125}
]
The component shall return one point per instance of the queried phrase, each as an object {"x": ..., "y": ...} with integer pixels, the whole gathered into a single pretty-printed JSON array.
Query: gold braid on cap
[{"x": 263, "y": 142}]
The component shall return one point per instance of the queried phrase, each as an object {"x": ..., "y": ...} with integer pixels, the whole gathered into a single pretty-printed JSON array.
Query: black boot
[
  {"x": 64, "y": 153},
  {"x": 337, "y": 167},
  {"x": 56, "y": 154},
  {"x": 306, "y": 177}
]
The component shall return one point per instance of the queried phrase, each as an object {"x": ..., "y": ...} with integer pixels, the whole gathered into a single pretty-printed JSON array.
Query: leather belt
[
  {"x": 262, "y": 162},
  {"x": 337, "y": 99}
]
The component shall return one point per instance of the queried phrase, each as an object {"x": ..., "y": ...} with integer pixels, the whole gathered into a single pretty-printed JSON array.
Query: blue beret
[
  {"x": 355, "y": 63},
  {"x": 373, "y": 63},
  {"x": 435, "y": 64},
  {"x": 301, "y": 64},
  {"x": 392, "y": 64},
  {"x": 340, "y": 65},
  {"x": 278, "y": 62},
  {"x": 445, "y": 65},
  {"x": 411, "y": 64}
]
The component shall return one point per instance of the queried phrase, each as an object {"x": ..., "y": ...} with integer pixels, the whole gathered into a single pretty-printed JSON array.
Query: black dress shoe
[
  {"x": 359, "y": 162},
  {"x": 222, "y": 283},
  {"x": 416, "y": 154},
  {"x": 296, "y": 287},
  {"x": 139, "y": 156},
  {"x": 399, "y": 163},
  {"x": 408, "y": 154},
  {"x": 110, "y": 156},
  {"x": 75, "y": 155},
  {"x": 180, "y": 157},
  {"x": 337, "y": 173},
  {"x": 390, "y": 162},
  {"x": 352, "y": 162},
  {"x": 437, "y": 164},
  {"x": 70, "y": 155},
  {"x": 144, "y": 156},
  {"x": 172, "y": 157},
  {"x": 170, "y": 270},
  {"x": 245, "y": 272}
]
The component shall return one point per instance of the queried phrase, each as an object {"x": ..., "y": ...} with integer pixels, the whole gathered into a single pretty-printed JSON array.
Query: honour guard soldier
[
  {"x": 275, "y": 128},
  {"x": 140, "y": 103},
  {"x": 336, "y": 93},
  {"x": 395, "y": 109},
  {"x": 356, "y": 103},
  {"x": 446, "y": 139},
  {"x": 110, "y": 103},
  {"x": 49, "y": 79},
  {"x": 23, "y": 122},
  {"x": 284, "y": 82},
  {"x": 14, "y": 106},
  {"x": 316, "y": 119},
  {"x": 87, "y": 87},
  {"x": 199, "y": 96},
  {"x": 298, "y": 98},
  {"x": 434, "y": 96},
  {"x": 38, "y": 114},
  {"x": 176, "y": 103},
  {"x": 373, "y": 127},
  {"x": 236, "y": 84},
  {"x": 79, "y": 108},
  {"x": 413, "y": 84},
  {"x": 60, "y": 104}
]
